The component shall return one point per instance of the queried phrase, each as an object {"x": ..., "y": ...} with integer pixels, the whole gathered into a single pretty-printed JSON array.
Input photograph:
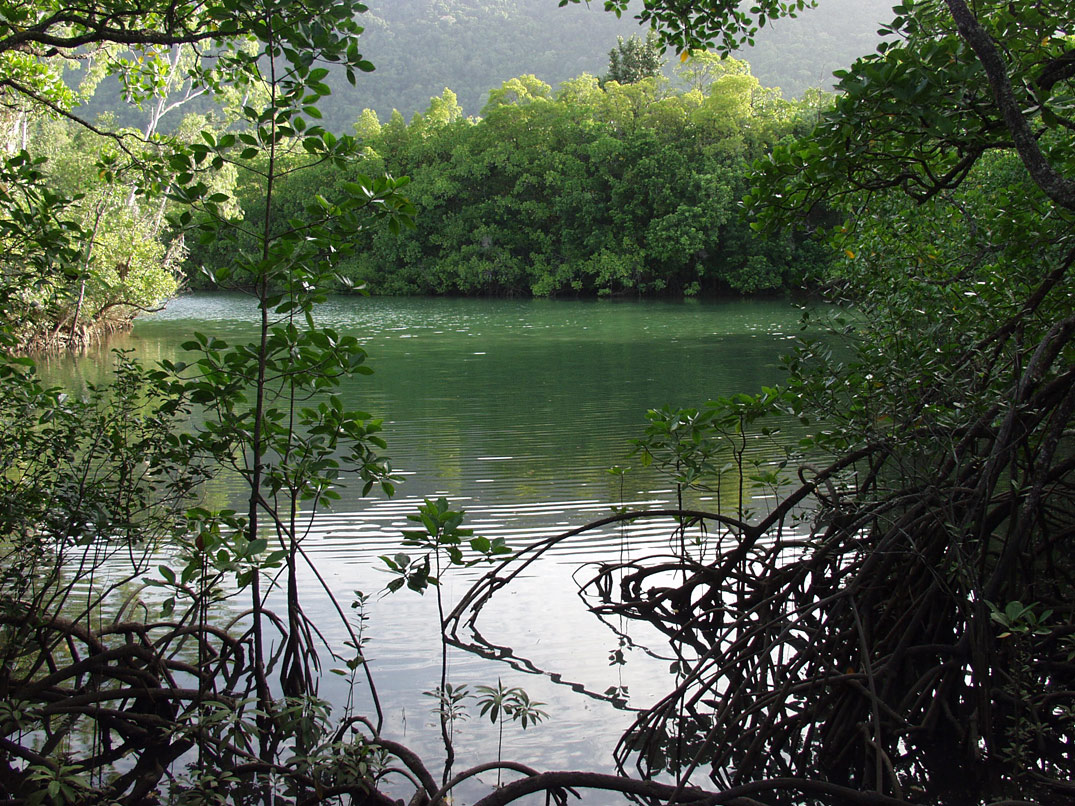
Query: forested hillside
[
  {"x": 419, "y": 47},
  {"x": 472, "y": 46}
]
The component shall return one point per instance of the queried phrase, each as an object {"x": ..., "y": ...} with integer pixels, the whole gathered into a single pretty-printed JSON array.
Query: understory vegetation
[{"x": 896, "y": 627}]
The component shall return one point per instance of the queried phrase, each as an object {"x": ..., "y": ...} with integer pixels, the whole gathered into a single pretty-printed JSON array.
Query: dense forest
[
  {"x": 598, "y": 188},
  {"x": 896, "y": 625}
]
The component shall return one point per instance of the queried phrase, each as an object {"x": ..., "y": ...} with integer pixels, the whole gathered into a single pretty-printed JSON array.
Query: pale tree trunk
[
  {"x": 85, "y": 272},
  {"x": 164, "y": 105}
]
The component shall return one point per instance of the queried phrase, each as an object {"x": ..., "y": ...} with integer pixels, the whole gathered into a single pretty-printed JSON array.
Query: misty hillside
[
  {"x": 471, "y": 46},
  {"x": 420, "y": 47}
]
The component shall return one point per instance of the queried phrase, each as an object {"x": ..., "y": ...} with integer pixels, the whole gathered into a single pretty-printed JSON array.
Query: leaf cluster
[
  {"x": 441, "y": 532},
  {"x": 919, "y": 114}
]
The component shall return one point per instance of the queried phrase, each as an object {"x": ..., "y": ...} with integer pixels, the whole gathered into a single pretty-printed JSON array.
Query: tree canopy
[
  {"x": 634, "y": 59},
  {"x": 919, "y": 114},
  {"x": 970, "y": 93},
  {"x": 614, "y": 190},
  {"x": 71, "y": 268}
]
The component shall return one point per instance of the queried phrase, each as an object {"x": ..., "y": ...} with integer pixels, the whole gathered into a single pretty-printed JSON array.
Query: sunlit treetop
[{"x": 949, "y": 84}]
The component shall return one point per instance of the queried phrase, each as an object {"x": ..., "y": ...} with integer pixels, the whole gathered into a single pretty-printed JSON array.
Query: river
[{"x": 513, "y": 410}]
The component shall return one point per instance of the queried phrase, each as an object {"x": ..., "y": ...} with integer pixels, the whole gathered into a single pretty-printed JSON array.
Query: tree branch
[
  {"x": 59, "y": 110},
  {"x": 92, "y": 31},
  {"x": 1056, "y": 186}
]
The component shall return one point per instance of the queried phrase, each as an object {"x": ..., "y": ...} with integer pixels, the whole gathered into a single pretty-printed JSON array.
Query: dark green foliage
[
  {"x": 616, "y": 190},
  {"x": 41, "y": 250},
  {"x": 871, "y": 142},
  {"x": 75, "y": 470},
  {"x": 634, "y": 59}
]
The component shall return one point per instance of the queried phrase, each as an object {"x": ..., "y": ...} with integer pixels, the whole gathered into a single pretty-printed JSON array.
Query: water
[{"x": 513, "y": 410}]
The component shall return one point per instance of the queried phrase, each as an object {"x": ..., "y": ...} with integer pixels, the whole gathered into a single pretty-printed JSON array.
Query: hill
[
  {"x": 420, "y": 47},
  {"x": 472, "y": 46}
]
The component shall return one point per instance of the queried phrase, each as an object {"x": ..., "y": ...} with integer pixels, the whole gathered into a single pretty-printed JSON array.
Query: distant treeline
[{"x": 605, "y": 190}]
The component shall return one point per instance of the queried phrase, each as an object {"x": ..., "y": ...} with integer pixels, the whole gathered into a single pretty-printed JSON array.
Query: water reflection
[{"x": 514, "y": 410}]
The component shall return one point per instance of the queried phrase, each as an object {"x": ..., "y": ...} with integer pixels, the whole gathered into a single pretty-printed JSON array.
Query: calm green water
[
  {"x": 515, "y": 401},
  {"x": 514, "y": 410}
]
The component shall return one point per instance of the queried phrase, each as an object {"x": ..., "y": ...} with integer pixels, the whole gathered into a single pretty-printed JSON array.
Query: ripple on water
[{"x": 513, "y": 410}]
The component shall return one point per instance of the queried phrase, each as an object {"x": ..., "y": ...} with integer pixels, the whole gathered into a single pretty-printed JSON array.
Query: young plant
[
  {"x": 451, "y": 705},
  {"x": 442, "y": 537},
  {"x": 500, "y": 701},
  {"x": 272, "y": 414}
]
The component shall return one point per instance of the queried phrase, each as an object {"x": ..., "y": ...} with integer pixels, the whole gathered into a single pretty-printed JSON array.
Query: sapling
[
  {"x": 499, "y": 701},
  {"x": 442, "y": 538}
]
